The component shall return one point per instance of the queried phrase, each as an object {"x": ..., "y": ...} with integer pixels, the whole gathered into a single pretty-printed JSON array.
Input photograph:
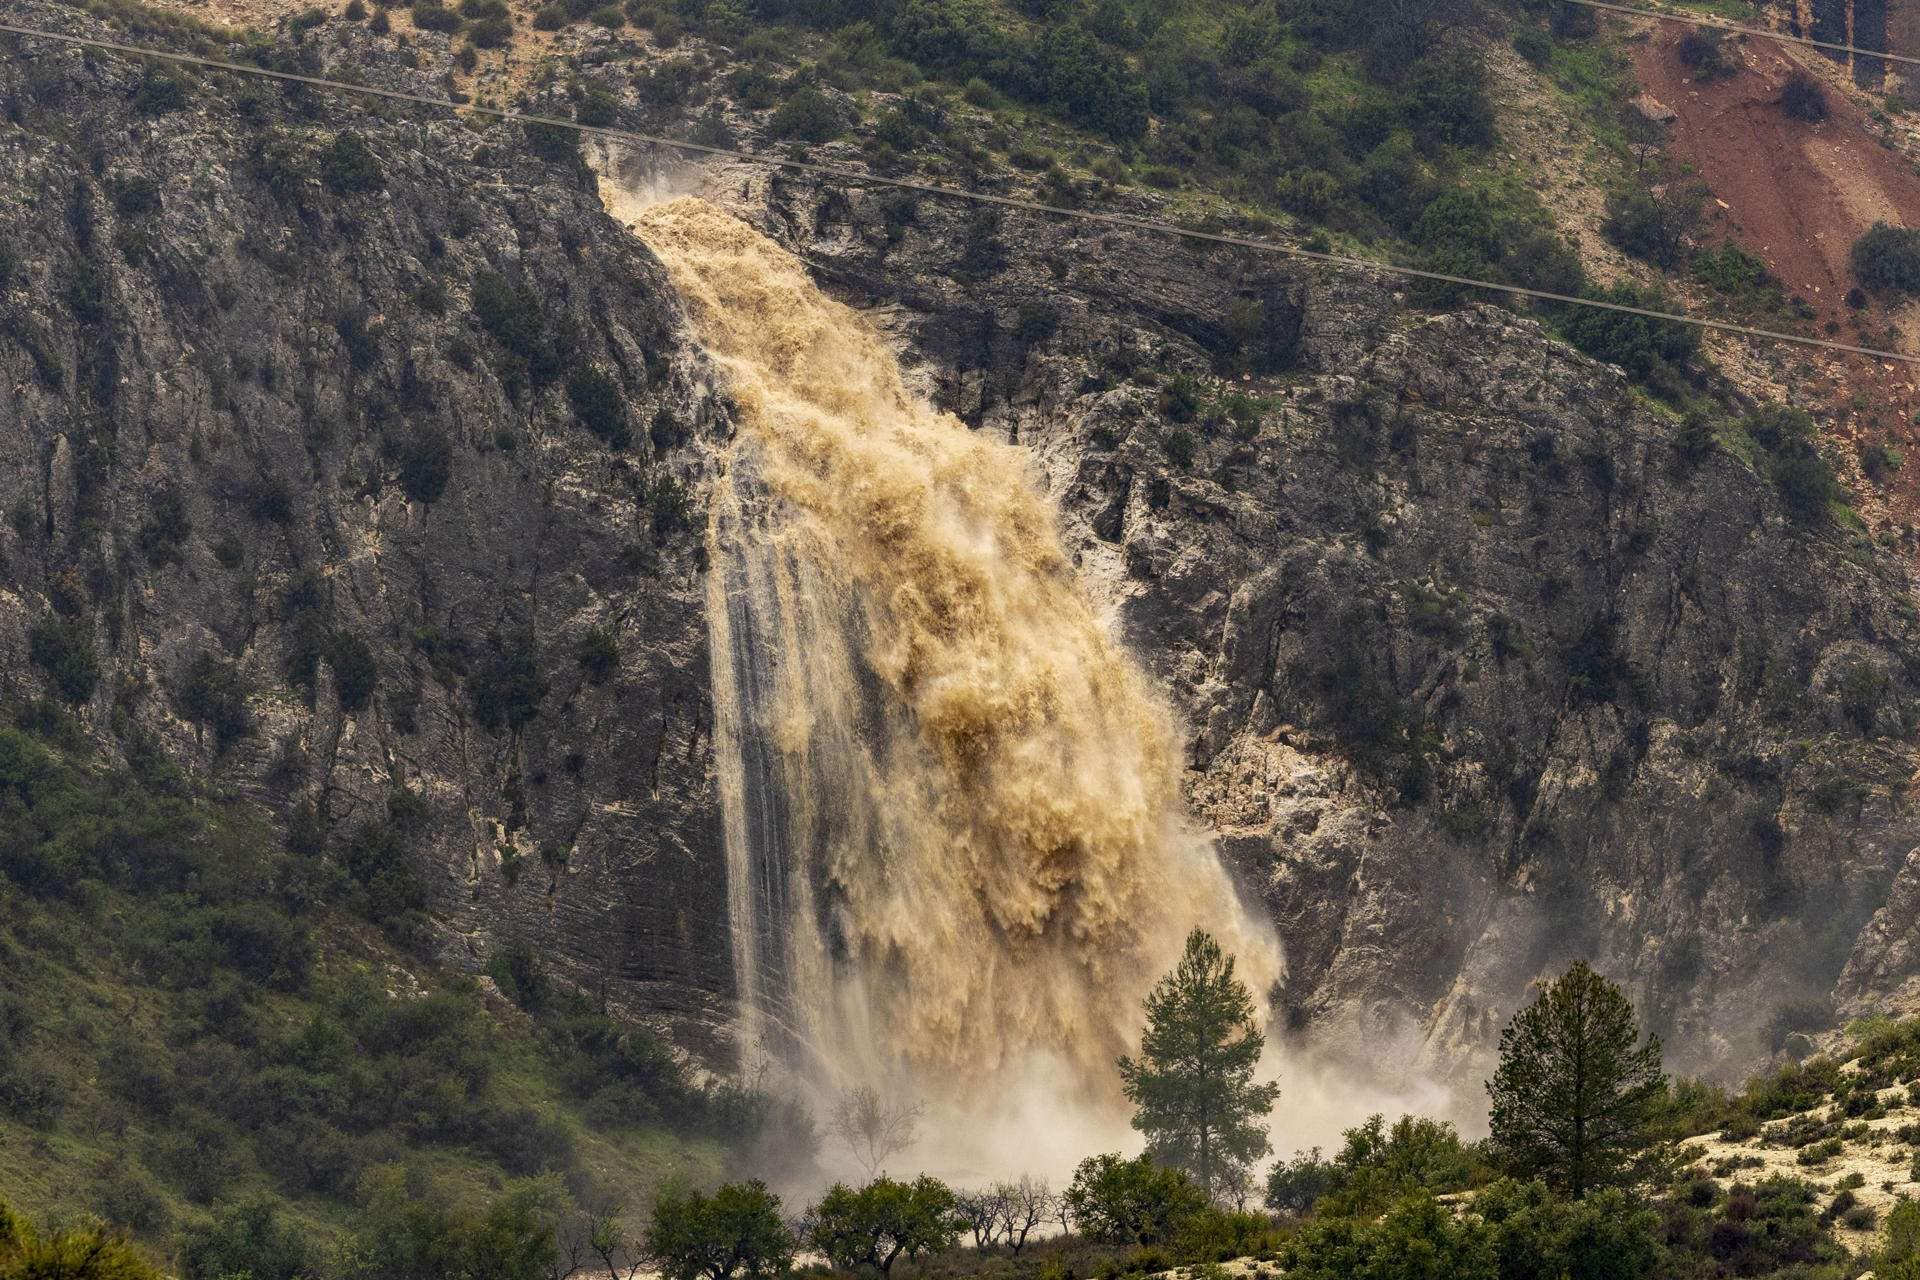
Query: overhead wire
[{"x": 843, "y": 173}]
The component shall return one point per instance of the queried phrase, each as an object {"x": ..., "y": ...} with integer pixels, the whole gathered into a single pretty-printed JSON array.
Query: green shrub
[
  {"x": 1703, "y": 51},
  {"x": 550, "y": 17},
  {"x": 598, "y": 654},
  {"x": 507, "y": 687},
  {"x": 431, "y": 15},
  {"x": 1307, "y": 192},
  {"x": 741, "y": 1222},
  {"x": 490, "y": 33},
  {"x": 134, "y": 197},
  {"x": 167, "y": 526},
  {"x": 1091, "y": 84},
  {"x": 210, "y": 695},
  {"x": 355, "y": 670},
  {"x": 1654, "y": 226},
  {"x": 1799, "y": 471},
  {"x": 1803, "y": 98},
  {"x": 1650, "y": 349},
  {"x": 349, "y": 167},
  {"x": 1886, "y": 260},
  {"x": 865, "y": 1228},
  {"x": 248, "y": 1238},
  {"x": 68, "y": 1253},
  {"x": 600, "y": 406},
  {"x": 63, "y": 648},
  {"x": 1181, "y": 447},
  {"x": 513, "y": 316},
  {"x": 808, "y": 115},
  {"x": 1880, "y": 460},
  {"x": 360, "y": 335},
  {"x": 1122, "y": 1201},
  {"x": 1419, "y": 1237},
  {"x": 268, "y": 499},
  {"x": 1534, "y": 45},
  {"x": 161, "y": 90},
  {"x": 426, "y": 464}
]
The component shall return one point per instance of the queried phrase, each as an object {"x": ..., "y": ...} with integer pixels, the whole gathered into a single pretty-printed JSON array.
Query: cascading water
[{"x": 957, "y": 852}]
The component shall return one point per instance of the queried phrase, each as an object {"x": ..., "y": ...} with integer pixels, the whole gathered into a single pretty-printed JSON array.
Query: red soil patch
[{"x": 1797, "y": 196}]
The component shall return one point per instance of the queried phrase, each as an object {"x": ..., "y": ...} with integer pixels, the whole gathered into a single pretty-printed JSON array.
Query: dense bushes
[
  {"x": 1650, "y": 348},
  {"x": 69, "y": 1253},
  {"x": 1376, "y": 1167},
  {"x": 349, "y": 167},
  {"x": 1793, "y": 461},
  {"x": 246, "y": 1063}
]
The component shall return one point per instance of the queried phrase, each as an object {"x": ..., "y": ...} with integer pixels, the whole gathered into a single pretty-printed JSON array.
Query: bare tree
[
  {"x": 875, "y": 1129},
  {"x": 1236, "y": 1184},
  {"x": 1024, "y": 1205},
  {"x": 980, "y": 1211}
]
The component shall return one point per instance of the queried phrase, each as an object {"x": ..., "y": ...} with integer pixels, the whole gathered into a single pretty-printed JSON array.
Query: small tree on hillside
[
  {"x": 734, "y": 1234},
  {"x": 883, "y": 1222},
  {"x": 1576, "y": 1093},
  {"x": 1120, "y": 1201},
  {"x": 1192, "y": 1085}
]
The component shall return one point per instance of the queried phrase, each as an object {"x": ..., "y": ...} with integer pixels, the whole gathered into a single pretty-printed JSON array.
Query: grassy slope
[{"x": 149, "y": 1073}]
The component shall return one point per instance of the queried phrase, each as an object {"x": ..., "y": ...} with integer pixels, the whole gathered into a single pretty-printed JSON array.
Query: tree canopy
[
  {"x": 1122, "y": 1201},
  {"x": 884, "y": 1221},
  {"x": 735, "y": 1232}
]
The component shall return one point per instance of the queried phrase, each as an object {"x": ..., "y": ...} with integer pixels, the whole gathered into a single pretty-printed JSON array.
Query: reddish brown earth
[{"x": 1797, "y": 196}]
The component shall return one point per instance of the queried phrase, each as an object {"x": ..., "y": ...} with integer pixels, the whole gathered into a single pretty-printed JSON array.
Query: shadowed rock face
[
  {"x": 255, "y": 416},
  {"x": 1478, "y": 672}
]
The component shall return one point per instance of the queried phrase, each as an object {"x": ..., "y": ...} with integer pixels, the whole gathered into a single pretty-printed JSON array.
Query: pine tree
[
  {"x": 1576, "y": 1094},
  {"x": 1192, "y": 1085}
]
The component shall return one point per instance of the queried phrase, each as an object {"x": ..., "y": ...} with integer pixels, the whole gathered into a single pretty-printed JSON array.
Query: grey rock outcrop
[
  {"x": 1482, "y": 670},
  {"x": 335, "y": 529}
]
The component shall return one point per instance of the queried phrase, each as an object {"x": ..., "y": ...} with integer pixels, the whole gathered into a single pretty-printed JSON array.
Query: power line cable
[
  {"x": 1725, "y": 24},
  {"x": 843, "y": 174}
]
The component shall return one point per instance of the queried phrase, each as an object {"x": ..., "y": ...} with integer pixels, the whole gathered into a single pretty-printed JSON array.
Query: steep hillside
[{"x": 358, "y": 455}]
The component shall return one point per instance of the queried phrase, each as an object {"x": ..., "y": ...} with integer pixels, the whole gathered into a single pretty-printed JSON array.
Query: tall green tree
[
  {"x": 1192, "y": 1086},
  {"x": 734, "y": 1234},
  {"x": 1577, "y": 1092}
]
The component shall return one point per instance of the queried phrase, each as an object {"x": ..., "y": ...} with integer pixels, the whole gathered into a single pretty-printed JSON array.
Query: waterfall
[{"x": 957, "y": 853}]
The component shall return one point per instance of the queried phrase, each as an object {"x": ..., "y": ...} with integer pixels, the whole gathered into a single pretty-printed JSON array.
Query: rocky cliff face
[
  {"x": 305, "y": 446},
  {"x": 1483, "y": 668},
  {"x": 308, "y": 458}
]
